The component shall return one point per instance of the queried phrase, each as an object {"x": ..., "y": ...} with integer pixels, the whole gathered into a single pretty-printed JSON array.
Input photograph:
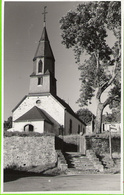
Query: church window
[
  {"x": 40, "y": 66},
  {"x": 84, "y": 130},
  {"x": 78, "y": 129},
  {"x": 28, "y": 128},
  {"x": 40, "y": 81},
  {"x": 70, "y": 127},
  {"x": 38, "y": 102}
]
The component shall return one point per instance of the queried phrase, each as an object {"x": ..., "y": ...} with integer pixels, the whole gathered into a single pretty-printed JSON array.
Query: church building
[{"x": 42, "y": 110}]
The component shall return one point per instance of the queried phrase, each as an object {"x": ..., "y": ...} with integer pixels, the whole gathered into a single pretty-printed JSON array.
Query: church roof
[
  {"x": 44, "y": 48},
  {"x": 33, "y": 114},
  {"x": 19, "y": 103},
  {"x": 68, "y": 108}
]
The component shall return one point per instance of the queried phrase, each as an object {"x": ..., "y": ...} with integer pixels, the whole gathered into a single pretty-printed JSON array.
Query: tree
[
  {"x": 8, "y": 123},
  {"x": 86, "y": 30},
  {"x": 112, "y": 117},
  {"x": 85, "y": 115}
]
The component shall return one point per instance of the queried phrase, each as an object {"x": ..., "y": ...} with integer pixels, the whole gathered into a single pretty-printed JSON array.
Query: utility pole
[{"x": 110, "y": 142}]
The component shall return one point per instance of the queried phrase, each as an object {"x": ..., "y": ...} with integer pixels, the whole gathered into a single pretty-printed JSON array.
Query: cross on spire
[{"x": 44, "y": 13}]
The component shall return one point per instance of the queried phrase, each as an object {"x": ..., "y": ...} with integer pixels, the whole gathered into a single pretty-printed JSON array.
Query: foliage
[
  {"x": 8, "y": 123},
  {"x": 85, "y": 115},
  {"x": 114, "y": 19},
  {"x": 25, "y": 134},
  {"x": 105, "y": 135},
  {"x": 86, "y": 30},
  {"x": 113, "y": 117}
]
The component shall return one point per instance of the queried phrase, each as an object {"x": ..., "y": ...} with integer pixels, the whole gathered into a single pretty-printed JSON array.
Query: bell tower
[{"x": 42, "y": 80}]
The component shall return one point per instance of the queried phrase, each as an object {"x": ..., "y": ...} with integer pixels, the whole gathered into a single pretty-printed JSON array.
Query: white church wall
[
  {"x": 37, "y": 125},
  {"x": 75, "y": 124},
  {"x": 48, "y": 127},
  {"x": 48, "y": 103},
  {"x": 56, "y": 110}
]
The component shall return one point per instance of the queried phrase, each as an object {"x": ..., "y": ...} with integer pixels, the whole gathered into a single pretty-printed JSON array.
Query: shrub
[
  {"x": 26, "y": 134},
  {"x": 104, "y": 135}
]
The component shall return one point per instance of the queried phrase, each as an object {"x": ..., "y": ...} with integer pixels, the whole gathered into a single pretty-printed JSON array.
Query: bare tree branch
[{"x": 105, "y": 86}]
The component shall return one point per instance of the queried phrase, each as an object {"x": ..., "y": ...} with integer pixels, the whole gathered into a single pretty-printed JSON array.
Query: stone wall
[
  {"x": 101, "y": 144},
  {"x": 29, "y": 151}
]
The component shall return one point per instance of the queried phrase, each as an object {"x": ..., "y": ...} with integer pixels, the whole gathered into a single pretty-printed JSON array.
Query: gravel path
[{"x": 87, "y": 182}]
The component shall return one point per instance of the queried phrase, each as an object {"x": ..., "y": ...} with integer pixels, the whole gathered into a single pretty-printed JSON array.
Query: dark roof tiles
[
  {"x": 44, "y": 48},
  {"x": 33, "y": 114}
]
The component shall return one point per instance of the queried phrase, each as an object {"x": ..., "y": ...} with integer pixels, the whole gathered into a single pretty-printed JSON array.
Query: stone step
[
  {"x": 73, "y": 171},
  {"x": 62, "y": 164},
  {"x": 84, "y": 165},
  {"x": 83, "y": 162},
  {"x": 86, "y": 169}
]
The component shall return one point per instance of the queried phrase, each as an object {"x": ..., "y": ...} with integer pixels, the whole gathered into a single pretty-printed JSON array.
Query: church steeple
[
  {"x": 42, "y": 80},
  {"x": 44, "y": 48}
]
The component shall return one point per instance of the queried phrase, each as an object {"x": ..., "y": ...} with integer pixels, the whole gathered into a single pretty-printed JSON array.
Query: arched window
[
  {"x": 70, "y": 127},
  {"x": 84, "y": 131},
  {"x": 40, "y": 81},
  {"x": 79, "y": 129},
  {"x": 28, "y": 128},
  {"x": 40, "y": 66},
  {"x": 38, "y": 102}
]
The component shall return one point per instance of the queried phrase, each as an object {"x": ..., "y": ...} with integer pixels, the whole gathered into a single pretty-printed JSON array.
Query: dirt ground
[{"x": 78, "y": 183}]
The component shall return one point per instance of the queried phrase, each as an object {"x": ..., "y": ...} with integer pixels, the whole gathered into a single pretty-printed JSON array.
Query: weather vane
[{"x": 44, "y": 13}]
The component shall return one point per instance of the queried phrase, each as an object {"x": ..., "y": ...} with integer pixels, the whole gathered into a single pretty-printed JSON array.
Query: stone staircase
[
  {"x": 61, "y": 162},
  {"x": 86, "y": 163},
  {"x": 92, "y": 157},
  {"x": 111, "y": 165}
]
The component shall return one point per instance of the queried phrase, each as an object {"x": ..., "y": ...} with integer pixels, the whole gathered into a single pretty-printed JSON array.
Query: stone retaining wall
[
  {"x": 101, "y": 145},
  {"x": 29, "y": 151}
]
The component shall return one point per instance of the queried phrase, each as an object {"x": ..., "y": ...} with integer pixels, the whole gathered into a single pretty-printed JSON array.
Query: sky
[{"x": 23, "y": 25}]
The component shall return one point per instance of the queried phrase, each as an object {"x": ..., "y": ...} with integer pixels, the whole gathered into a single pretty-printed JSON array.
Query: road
[{"x": 93, "y": 182}]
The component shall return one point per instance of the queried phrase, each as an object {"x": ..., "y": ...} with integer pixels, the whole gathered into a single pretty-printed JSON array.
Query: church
[{"x": 42, "y": 110}]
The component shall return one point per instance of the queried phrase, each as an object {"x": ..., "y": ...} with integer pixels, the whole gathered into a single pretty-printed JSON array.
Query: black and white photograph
[{"x": 62, "y": 97}]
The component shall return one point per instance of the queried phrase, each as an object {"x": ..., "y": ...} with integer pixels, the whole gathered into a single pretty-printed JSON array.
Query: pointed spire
[
  {"x": 44, "y": 36},
  {"x": 44, "y": 48}
]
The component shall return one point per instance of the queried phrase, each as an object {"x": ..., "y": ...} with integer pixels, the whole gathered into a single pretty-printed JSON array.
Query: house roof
[
  {"x": 34, "y": 114},
  {"x": 44, "y": 48}
]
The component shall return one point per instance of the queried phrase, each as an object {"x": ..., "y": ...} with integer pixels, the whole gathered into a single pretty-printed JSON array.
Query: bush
[
  {"x": 104, "y": 135},
  {"x": 25, "y": 134},
  {"x": 67, "y": 143}
]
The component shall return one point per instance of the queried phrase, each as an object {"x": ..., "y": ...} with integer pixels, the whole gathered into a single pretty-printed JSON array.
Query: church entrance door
[{"x": 28, "y": 128}]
